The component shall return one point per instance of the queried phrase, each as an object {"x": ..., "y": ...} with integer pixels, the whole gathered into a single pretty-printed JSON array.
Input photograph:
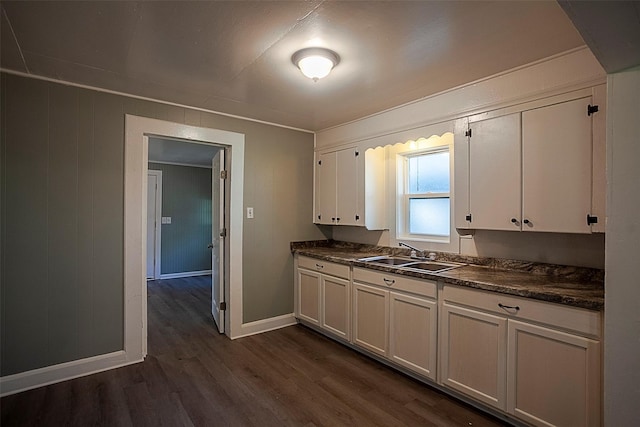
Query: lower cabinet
[
  {"x": 323, "y": 291},
  {"x": 396, "y": 317},
  {"x": 553, "y": 376},
  {"x": 473, "y": 354},
  {"x": 539, "y": 362}
]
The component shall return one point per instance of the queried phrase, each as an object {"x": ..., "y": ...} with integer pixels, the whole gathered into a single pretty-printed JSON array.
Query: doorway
[
  {"x": 193, "y": 216},
  {"x": 138, "y": 130}
]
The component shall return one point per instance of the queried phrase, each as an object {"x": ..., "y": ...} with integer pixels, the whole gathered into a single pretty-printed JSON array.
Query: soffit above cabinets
[{"x": 235, "y": 57}]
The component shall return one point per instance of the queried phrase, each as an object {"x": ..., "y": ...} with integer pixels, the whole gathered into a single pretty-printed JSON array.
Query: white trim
[
  {"x": 158, "y": 229},
  {"x": 136, "y": 166},
  {"x": 266, "y": 325},
  {"x": 190, "y": 165},
  {"x": 185, "y": 274},
  {"x": 28, "y": 380},
  {"x": 144, "y": 98}
]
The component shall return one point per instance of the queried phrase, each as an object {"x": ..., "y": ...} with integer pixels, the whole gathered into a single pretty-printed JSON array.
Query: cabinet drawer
[
  {"x": 582, "y": 321},
  {"x": 396, "y": 282},
  {"x": 325, "y": 267}
]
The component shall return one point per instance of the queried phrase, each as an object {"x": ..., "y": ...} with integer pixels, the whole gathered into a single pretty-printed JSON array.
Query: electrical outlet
[{"x": 250, "y": 213}]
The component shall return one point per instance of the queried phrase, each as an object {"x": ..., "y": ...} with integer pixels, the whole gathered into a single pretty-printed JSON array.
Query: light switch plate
[
  {"x": 166, "y": 220},
  {"x": 249, "y": 213}
]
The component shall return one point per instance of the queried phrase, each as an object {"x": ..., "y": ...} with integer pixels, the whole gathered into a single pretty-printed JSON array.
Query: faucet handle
[{"x": 432, "y": 256}]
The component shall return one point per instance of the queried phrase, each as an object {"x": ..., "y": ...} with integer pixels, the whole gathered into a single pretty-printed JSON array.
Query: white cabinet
[
  {"x": 553, "y": 376},
  {"x": 371, "y": 318},
  {"x": 556, "y": 168},
  {"x": 337, "y": 188},
  {"x": 495, "y": 173},
  {"x": 396, "y": 317},
  {"x": 473, "y": 354},
  {"x": 323, "y": 292},
  {"x": 533, "y": 167},
  {"x": 539, "y": 362},
  {"x": 350, "y": 188}
]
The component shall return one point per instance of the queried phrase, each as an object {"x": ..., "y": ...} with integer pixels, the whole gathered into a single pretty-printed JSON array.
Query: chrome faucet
[{"x": 414, "y": 251}]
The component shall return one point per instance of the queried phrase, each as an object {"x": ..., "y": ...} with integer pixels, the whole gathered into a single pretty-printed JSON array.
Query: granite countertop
[{"x": 573, "y": 286}]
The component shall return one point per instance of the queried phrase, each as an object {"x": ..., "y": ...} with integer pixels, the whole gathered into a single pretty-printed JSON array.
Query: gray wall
[
  {"x": 62, "y": 217},
  {"x": 186, "y": 198},
  {"x": 622, "y": 285}
]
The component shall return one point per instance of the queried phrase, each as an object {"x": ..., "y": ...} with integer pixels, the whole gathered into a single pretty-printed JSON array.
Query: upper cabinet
[
  {"x": 534, "y": 167},
  {"x": 350, "y": 188}
]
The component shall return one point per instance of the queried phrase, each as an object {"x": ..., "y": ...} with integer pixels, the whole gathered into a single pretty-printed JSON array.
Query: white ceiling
[{"x": 235, "y": 57}]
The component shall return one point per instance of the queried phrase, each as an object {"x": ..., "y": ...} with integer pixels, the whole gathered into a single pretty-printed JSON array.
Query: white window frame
[
  {"x": 434, "y": 144},
  {"x": 403, "y": 207}
]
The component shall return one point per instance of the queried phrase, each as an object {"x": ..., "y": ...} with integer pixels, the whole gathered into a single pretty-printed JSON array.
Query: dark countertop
[{"x": 573, "y": 286}]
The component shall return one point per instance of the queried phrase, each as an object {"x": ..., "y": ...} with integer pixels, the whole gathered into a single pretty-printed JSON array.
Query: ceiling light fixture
[{"x": 315, "y": 62}]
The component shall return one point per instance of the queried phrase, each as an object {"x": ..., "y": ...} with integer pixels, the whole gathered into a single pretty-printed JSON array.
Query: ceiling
[
  {"x": 235, "y": 57},
  {"x": 189, "y": 153}
]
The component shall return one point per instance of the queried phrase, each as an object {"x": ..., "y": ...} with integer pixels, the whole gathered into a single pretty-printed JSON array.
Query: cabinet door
[
  {"x": 347, "y": 187},
  {"x": 413, "y": 332},
  {"x": 495, "y": 173},
  {"x": 556, "y": 167},
  {"x": 553, "y": 377},
  {"x": 335, "y": 306},
  {"x": 326, "y": 189},
  {"x": 309, "y": 296},
  {"x": 370, "y": 318},
  {"x": 473, "y": 352}
]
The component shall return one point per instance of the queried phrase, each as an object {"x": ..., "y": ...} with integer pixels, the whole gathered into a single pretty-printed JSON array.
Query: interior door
[{"x": 217, "y": 239}]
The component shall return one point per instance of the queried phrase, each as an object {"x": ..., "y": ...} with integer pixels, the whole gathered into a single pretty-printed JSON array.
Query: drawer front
[
  {"x": 424, "y": 287},
  {"x": 324, "y": 267},
  {"x": 582, "y": 321}
]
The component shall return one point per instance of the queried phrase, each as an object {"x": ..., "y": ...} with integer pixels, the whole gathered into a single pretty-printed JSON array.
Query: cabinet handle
[
  {"x": 526, "y": 221},
  {"x": 338, "y": 219},
  {"x": 509, "y": 307},
  {"x": 319, "y": 266},
  {"x": 513, "y": 220},
  {"x": 333, "y": 218},
  {"x": 388, "y": 281}
]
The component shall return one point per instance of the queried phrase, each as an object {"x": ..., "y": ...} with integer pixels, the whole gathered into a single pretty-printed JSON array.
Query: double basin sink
[{"x": 411, "y": 263}]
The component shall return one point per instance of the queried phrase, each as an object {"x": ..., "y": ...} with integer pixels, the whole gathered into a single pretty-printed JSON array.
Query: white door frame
[
  {"x": 158, "y": 229},
  {"x": 137, "y": 132}
]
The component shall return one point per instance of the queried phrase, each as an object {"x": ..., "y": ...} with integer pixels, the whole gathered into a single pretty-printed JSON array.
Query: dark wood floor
[{"x": 194, "y": 376}]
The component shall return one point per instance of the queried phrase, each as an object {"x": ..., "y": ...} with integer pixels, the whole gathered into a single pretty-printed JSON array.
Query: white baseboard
[
  {"x": 265, "y": 325},
  {"x": 185, "y": 274},
  {"x": 40, "y": 377}
]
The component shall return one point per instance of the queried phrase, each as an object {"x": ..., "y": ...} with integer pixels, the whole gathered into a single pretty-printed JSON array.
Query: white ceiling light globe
[{"x": 315, "y": 62}]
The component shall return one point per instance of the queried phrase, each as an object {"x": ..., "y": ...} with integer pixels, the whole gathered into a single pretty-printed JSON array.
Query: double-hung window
[{"x": 425, "y": 206}]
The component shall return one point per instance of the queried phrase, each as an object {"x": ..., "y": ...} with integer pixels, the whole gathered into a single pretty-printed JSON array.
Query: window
[{"x": 425, "y": 208}]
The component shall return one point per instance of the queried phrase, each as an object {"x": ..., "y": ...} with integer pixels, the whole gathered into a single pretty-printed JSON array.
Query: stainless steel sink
[
  {"x": 432, "y": 266},
  {"x": 410, "y": 263},
  {"x": 388, "y": 260}
]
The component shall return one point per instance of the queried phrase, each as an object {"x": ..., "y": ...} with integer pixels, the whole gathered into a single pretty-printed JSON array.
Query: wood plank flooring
[{"x": 195, "y": 377}]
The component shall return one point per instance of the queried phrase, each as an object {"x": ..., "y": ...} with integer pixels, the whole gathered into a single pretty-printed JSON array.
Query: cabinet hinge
[
  {"x": 591, "y": 109},
  {"x": 319, "y": 162},
  {"x": 224, "y": 175},
  {"x": 468, "y": 133},
  {"x": 357, "y": 217},
  {"x": 592, "y": 219},
  {"x": 319, "y": 216},
  {"x": 223, "y": 232},
  {"x": 357, "y": 153},
  {"x": 468, "y": 217},
  {"x": 223, "y": 306}
]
